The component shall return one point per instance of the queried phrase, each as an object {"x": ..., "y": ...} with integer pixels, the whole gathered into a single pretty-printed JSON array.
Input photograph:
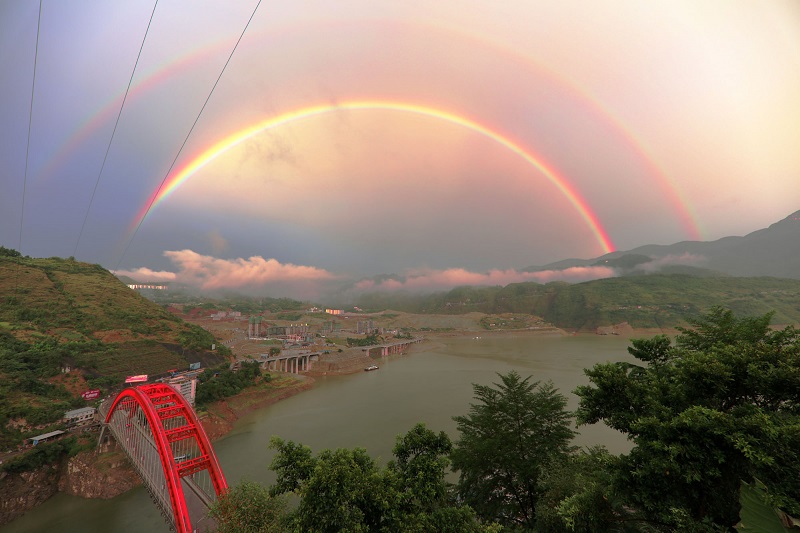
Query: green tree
[
  {"x": 340, "y": 490},
  {"x": 294, "y": 463},
  {"x": 508, "y": 438},
  {"x": 221, "y": 382},
  {"x": 577, "y": 496},
  {"x": 9, "y": 252},
  {"x": 420, "y": 465},
  {"x": 720, "y": 406},
  {"x": 425, "y": 499},
  {"x": 248, "y": 508},
  {"x": 759, "y": 515},
  {"x": 344, "y": 490}
]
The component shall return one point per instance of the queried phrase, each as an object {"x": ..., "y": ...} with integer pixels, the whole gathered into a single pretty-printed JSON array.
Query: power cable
[
  {"x": 30, "y": 126},
  {"x": 111, "y": 140},
  {"x": 196, "y": 120},
  {"x": 28, "y": 145}
]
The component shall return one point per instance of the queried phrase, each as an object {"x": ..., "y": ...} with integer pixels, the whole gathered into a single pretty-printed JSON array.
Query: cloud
[
  {"x": 432, "y": 280},
  {"x": 145, "y": 275},
  {"x": 255, "y": 273},
  {"x": 685, "y": 259}
]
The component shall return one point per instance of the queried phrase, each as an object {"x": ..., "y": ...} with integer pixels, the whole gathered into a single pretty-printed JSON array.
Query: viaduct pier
[{"x": 393, "y": 348}]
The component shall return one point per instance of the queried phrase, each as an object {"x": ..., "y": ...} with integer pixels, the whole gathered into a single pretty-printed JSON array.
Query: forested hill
[
  {"x": 60, "y": 314},
  {"x": 644, "y": 301}
]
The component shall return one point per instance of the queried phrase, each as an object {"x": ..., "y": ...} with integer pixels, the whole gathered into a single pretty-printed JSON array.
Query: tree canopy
[
  {"x": 9, "y": 252},
  {"x": 248, "y": 508},
  {"x": 719, "y": 406},
  {"x": 510, "y": 435},
  {"x": 345, "y": 490}
]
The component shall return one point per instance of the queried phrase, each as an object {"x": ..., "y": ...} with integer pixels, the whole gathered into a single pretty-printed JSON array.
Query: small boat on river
[{"x": 371, "y": 367}]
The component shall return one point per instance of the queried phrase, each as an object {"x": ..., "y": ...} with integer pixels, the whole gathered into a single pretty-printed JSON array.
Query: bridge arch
[{"x": 168, "y": 447}]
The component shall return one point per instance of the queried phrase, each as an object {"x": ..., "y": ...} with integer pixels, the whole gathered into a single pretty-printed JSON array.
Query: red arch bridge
[{"x": 168, "y": 447}]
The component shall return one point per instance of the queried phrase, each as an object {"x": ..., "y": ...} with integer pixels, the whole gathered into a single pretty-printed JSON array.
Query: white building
[
  {"x": 187, "y": 387},
  {"x": 79, "y": 417}
]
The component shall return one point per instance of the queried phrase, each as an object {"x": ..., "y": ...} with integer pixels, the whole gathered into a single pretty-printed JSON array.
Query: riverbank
[
  {"x": 220, "y": 417},
  {"x": 106, "y": 473}
]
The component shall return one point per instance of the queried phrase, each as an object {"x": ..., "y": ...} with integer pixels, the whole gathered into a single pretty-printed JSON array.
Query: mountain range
[
  {"x": 772, "y": 251},
  {"x": 654, "y": 286}
]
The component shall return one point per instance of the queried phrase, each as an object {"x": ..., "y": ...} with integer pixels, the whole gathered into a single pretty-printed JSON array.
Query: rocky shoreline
[{"x": 101, "y": 473}]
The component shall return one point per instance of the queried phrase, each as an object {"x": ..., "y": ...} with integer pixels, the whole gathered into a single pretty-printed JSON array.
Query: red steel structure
[{"x": 162, "y": 436}]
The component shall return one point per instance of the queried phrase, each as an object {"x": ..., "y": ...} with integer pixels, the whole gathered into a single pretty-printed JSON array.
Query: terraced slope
[{"x": 66, "y": 326}]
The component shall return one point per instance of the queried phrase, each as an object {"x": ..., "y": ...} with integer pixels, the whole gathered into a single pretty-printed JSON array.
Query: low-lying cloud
[
  {"x": 433, "y": 280},
  {"x": 145, "y": 275},
  {"x": 256, "y": 275},
  {"x": 211, "y": 273},
  {"x": 685, "y": 259},
  {"x": 253, "y": 275}
]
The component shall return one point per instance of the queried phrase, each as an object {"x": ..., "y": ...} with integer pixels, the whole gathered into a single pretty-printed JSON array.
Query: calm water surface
[{"x": 369, "y": 410}]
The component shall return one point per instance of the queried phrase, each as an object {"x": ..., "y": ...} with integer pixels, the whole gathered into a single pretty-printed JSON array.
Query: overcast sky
[{"x": 449, "y": 142}]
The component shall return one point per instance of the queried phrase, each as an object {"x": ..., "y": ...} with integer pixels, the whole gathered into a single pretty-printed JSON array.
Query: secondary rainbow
[
  {"x": 172, "y": 66},
  {"x": 229, "y": 142}
]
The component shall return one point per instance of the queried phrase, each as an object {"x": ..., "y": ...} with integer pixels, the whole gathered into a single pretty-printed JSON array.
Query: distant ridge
[
  {"x": 655, "y": 286},
  {"x": 772, "y": 251}
]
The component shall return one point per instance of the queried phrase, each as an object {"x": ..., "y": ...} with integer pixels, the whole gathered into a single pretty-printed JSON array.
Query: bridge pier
[
  {"x": 398, "y": 347},
  {"x": 291, "y": 364}
]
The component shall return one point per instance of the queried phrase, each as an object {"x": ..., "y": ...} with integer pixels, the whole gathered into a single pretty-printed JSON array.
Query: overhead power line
[
  {"x": 30, "y": 125},
  {"x": 196, "y": 120},
  {"x": 111, "y": 140},
  {"x": 28, "y": 147}
]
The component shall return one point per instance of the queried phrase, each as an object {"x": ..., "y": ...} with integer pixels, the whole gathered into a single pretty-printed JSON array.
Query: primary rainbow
[{"x": 205, "y": 157}]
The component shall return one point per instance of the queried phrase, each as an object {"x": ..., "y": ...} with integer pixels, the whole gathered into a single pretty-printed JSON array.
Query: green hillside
[
  {"x": 67, "y": 326},
  {"x": 644, "y": 301}
]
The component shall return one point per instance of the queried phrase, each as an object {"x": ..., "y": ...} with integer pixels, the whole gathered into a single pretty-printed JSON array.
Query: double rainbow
[{"x": 206, "y": 156}]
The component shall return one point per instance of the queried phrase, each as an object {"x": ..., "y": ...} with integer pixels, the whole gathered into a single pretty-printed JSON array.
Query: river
[{"x": 368, "y": 409}]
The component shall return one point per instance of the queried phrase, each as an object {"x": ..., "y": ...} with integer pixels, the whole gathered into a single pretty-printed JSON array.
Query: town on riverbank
[{"x": 291, "y": 351}]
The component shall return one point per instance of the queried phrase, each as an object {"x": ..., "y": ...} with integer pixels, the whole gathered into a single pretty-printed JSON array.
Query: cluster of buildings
[
  {"x": 86, "y": 418},
  {"x": 186, "y": 385},
  {"x": 365, "y": 327},
  {"x": 226, "y": 314},
  {"x": 258, "y": 328},
  {"x": 293, "y": 333},
  {"x": 139, "y": 286}
]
